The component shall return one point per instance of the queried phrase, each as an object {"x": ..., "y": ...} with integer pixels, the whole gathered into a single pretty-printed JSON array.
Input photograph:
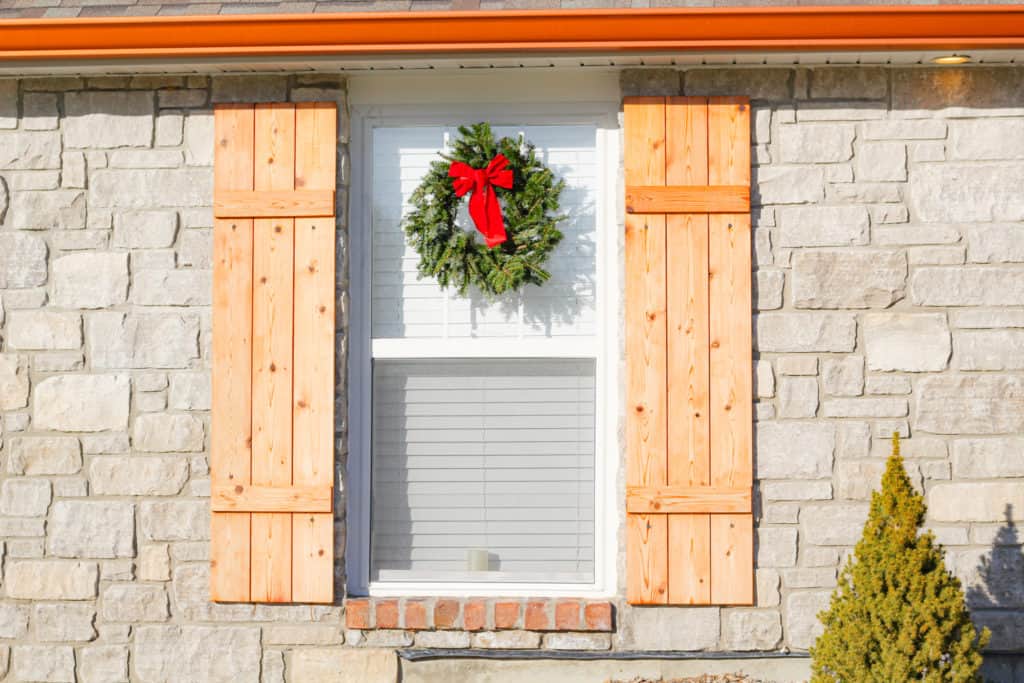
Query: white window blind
[
  {"x": 483, "y": 412},
  {"x": 483, "y": 470}
]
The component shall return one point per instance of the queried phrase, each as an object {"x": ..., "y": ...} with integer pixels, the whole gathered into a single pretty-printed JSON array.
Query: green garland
[{"x": 457, "y": 256}]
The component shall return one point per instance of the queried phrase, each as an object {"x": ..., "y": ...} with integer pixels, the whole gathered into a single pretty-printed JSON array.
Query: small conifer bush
[{"x": 897, "y": 613}]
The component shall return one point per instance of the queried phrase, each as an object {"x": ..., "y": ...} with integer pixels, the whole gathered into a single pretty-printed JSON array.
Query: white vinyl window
[{"x": 479, "y": 438}]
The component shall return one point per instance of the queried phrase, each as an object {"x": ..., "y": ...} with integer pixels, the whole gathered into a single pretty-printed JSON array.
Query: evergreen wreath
[{"x": 453, "y": 254}]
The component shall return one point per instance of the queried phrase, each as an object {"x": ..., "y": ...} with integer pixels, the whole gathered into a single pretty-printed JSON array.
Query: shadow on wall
[{"x": 1000, "y": 587}]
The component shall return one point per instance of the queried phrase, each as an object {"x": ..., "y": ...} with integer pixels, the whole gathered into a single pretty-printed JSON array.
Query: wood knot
[
  {"x": 320, "y": 553},
  {"x": 263, "y": 280},
  {"x": 239, "y": 488},
  {"x": 322, "y": 309},
  {"x": 273, "y": 367},
  {"x": 277, "y": 228},
  {"x": 639, "y": 409},
  {"x": 302, "y": 404},
  {"x": 715, "y": 344}
]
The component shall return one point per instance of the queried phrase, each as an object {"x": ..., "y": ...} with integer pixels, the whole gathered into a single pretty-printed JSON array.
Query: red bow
[{"x": 483, "y": 203}]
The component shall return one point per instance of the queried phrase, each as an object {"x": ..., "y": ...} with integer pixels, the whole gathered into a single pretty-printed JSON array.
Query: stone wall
[{"x": 889, "y": 254}]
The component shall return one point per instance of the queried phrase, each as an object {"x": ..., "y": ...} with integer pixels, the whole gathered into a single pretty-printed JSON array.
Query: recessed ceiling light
[{"x": 948, "y": 60}]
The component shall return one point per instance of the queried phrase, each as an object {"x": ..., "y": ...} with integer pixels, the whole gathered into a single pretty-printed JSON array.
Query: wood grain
[
  {"x": 686, "y": 499},
  {"x": 687, "y": 198},
  {"x": 242, "y": 498},
  {"x": 646, "y": 435},
  {"x": 731, "y": 351},
  {"x": 686, "y": 243},
  {"x": 279, "y": 204},
  {"x": 230, "y": 441},
  {"x": 313, "y": 400},
  {"x": 273, "y": 331}
]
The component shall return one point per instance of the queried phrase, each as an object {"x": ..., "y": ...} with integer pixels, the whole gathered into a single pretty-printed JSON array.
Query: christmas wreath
[{"x": 519, "y": 231}]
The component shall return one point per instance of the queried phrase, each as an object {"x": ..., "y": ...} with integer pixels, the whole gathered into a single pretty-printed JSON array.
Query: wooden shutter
[
  {"x": 272, "y": 454},
  {"x": 688, "y": 349}
]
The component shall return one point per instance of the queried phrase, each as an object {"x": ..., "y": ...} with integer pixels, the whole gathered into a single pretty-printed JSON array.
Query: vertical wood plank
[
  {"x": 273, "y": 291},
  {"x": 731, "y": 362},
  {"x": 230, "y": 441},
  {"x": 732, "y": 559},
  {"x": 646, "y": 435},
  {"x": 313, "y": 402},
  {"x": 687, "y": 350}
]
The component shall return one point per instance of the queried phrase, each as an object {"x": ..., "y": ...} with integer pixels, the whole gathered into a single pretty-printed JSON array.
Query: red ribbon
[{"x": 483, "y": 203}]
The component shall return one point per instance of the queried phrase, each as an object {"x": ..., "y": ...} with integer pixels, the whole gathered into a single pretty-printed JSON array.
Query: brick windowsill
[{"x": 479, "y": 614}]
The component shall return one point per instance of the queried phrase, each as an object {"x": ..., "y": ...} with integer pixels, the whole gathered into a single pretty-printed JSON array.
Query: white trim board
[{"x": 395, "y": 103}]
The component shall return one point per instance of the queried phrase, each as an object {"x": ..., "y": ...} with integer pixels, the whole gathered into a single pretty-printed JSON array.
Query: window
[{"x": 479, "y": 426}]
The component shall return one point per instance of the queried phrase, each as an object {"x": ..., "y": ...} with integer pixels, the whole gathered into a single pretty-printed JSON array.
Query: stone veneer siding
[{"x": 889, "y": 257}]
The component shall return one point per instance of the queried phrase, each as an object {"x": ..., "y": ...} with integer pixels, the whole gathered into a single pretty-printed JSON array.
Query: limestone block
[
  {"x": 29, "y": 150},
  {"x": 823, "y": 226},
  {"x": 64, "y": 621},
  {"x": 199, "y": 139},
  {"x": 8, "y": 119},
  {"x": 48, "y": 210},
  {"x": 168, "y": 130},
  {"x": 767, "y": 587},
  {"x": 851, "y": 83},
  {"x": 776, "y": 546},
  {"x": 848, "y": 279},
  {"x": 44, "y": 330},
  {"x": 816, "y": 143},
  {"x": 843, "y": 376},
  {"x": 856, "y": 480},
  {"x": 989, "y": 349},
  {"x": 577, "y": 641},
  {"x": 905, "y": 129},
  {"x": 798, "y": 397},
  {"x": 92, "y": 528},
  {"x": 25, "y": 497},
  {"x": 44, "y": 455},
  {"x": 43, "y": 663},
  {"x": 90, "y": 280},
  {"x": 764, "y": 379},
  {"x": 974, "y": 501},
  {"x": 882, "y": 162},
  {"x": 967, "y": 286},
  {"x": 51, "y": 580},
  {"x": 865, "y": 407},
  {"x": 668, "y": 628},
  {"x": 988, "y": 458},
  {"x": 150, "y": 188},
  {"x": 970, "y": 404},
  {"x": 134, "y": 602},
  {"x": 273, "y": 667},
  {"x": 768, "y": 286},
  {"x": 182, "y": 654},
  {"x": 116, "y": 118},
  {"x": 175, "y": 520},
  {"x": 929, "y": 90},
  {"x": 168, "y": 432},
  {"x": 145, "y": 229},
  {"x": 832, "y": 523},
  {"x": 196, "y": 249},
  {"x": 14, "y": 382},
  {"x": 507, "y": 640},
  {"x": 103, "y": 664},
  {"x": 986, "y": 139},
  {"x": 805, "y": 332},
  {"x": 154, "y": 563},
  {"x": 338, "y": 665},
  {"x": 795, "y": 450},
  {"x": 145, "y": 158},
  {"x": 650, "y": 82},
  {"x": 257, "y": 88},
  {"x": 190, "y": 391},
  {"x": 119, "y": 340},
  {"x": 797, "y": 365},
  {"x": 888, "y": 384},
  {"x": 172, "y": 288},
  {"x": 116, "y": 475},
  {"x": 22, "y": 260},
  {"x": 967, "y": 192},
  {"x": 13, "y": 620},
  {"x": 788, "y": 185},
  {"x": 757, "y": 84},
  {"x": 909, "y": 342},
  {"x": 796, "y": 490},
  {"x": 81, "y": 403},
  {"x": 995, "y": 243},
  {"x": 443, "y": 639}
]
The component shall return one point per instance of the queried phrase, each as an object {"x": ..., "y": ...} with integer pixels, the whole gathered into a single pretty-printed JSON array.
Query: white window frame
[{"x": 605, "y": 350}]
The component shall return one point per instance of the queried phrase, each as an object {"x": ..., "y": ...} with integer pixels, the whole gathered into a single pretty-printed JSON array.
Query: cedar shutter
[
  {"x": 688, "y": 351},
  {"x": 272, "y": 453}
]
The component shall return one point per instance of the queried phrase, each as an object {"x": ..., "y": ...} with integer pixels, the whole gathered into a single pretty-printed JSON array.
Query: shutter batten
[
  {"x": 689, "y": 353},
  {"x": 273, "y": 365}
]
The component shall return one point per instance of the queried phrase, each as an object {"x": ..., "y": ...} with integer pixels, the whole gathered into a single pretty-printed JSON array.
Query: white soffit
[{"x": 503, "y": 61}]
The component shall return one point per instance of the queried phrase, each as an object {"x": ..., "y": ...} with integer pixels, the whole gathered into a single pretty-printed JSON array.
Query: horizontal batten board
[
  {"x": 273, "y": 204},
  {"x": 682, "y": 499},
  {"x": 688, "y": 199},
  {"x": 244, "y": 498}
]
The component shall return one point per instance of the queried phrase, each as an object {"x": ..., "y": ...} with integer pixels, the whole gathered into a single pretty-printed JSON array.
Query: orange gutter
[{"x": 790, "y": 29}]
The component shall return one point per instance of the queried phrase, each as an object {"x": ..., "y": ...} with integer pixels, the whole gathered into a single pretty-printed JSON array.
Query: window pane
[
  {"x": 404, "y": 306},
  {"x": 483, "y": 470}
]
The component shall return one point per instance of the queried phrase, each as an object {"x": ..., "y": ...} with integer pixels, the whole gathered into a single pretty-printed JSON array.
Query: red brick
[
  {"x": 357, "y": 613},
  {"x": 474, "y": 615},
  {"x": 506, "y": 614},
  {"x": 446, "y": 613},
  {"x": 387, "y": 614},
  {"x": 567, "y": 615},
  {"x": 415, "y": 615},
  {"x": 598, "y": 616},
  {"x": 537, "y": 618}
]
